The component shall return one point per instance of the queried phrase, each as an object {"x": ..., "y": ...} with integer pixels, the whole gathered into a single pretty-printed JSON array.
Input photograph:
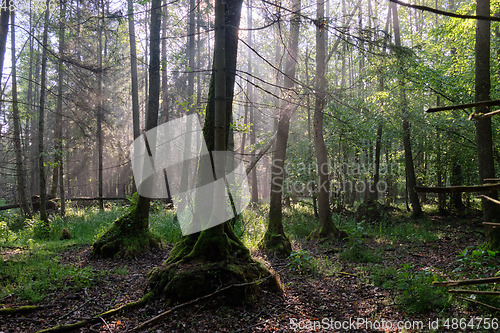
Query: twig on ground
[
  {"x": 105, "y": 323},
  {"x": 480, "y": 303},
  {"x": 76, "y": 309},
  {"x": 467, "y": 282},
  {"x": 163, "y": 314},
  {"x": 69, "y": 327}
]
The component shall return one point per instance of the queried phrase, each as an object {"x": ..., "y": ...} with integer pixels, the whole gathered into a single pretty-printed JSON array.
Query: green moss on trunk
[
  {"x": 128, "y": 236},
  {"x": 276, "y": 244},
  {"x": 203, "y": 263},
  {"x": 328, "y": 233}
]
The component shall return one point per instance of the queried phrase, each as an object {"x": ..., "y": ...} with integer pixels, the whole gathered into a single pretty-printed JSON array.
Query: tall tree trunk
[
  {"x": 275, "y": 239},
  {"x": 4, "y": 30},
  {"x": 57, "y": 177},
  {"x": 191, "y": 53},
  {"x": 146, "y": 50},
  {"x": 376, "y": 173},
  {"x": 100, "y": 109},
  {"x": 484, "y": 137},
  {"x": 314, "y": 195},
  {"x": 456, "y": 180},
  {"x": 439, "y": 172},
  {"x": 130, "y": 234},
  {"x": 410, "y": 168},
  {"x": 164, "y": 67},
  {"x": 31, "y": 109},
  {"x": 201, "y": 262},
  {"x": 251, "y": 109},
  {"x": 41, "y": 120},
  {"x": 133, "y": 71},
  {"x": 326, "y": 227},
  {"x": 35, "y": 175},
  {"x": 20, "y": 173}
]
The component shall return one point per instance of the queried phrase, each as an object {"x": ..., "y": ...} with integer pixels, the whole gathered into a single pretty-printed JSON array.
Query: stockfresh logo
[{"x": 172, "y": 161}]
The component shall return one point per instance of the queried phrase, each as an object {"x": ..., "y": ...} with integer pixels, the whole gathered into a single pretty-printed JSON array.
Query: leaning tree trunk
[
  {"x": 410, "y": 168},
  {"x": 275, "y": 240},
  {"x": 484, "y": 137},
  {"x": 326, "y": 228},
  {"x": 130, "y": 234},
  {"x": 203, "y": 262},
  {"x": 20, "y": 173}
]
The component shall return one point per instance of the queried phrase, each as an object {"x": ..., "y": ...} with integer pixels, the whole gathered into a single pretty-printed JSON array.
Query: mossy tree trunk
[
  {"x": 326, "y": 228},
  {"x": 130, "y": 234},
  {"x": 199, "y": 263},
  {"x": 275, "y": 241}
]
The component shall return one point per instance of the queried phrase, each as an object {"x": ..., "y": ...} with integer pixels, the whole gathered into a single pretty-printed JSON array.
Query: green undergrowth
[
  {"x": 85, "y": 225},
  {"x": 411, "y": 287},
  {"x": 304, "y": 263},
  {"x": 35, "y": 272}
]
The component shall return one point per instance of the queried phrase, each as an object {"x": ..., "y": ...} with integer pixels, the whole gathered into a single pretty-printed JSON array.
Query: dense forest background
[{"x": 363, "y": 73}]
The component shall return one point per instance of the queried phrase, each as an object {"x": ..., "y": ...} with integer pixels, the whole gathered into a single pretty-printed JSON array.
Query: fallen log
[
  {"x": 467, "y": 282},
  {"x": 475, "y": 292},
  {"x": 483, "y": 115},
  {"x": 465, "y": 106},
  {"x": 488, "y": 198},
  {"x": 480, "y": 303},
  {"x": 492, "y": 224},
  {"x": 457, "y": 189}
]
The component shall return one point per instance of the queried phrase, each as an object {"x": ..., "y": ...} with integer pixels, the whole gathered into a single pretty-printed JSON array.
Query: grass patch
[
  {"x": 412, "y": 287},
  {"x": 164, "y": 224},
  {"x": 33, "y": 275},
  {"x": 389, "y": 230},
  {"x": 299, "y": 221},
  {"x": 355, "y": 251}
]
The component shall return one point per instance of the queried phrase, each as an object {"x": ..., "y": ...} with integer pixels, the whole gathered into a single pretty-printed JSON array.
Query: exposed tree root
[
  {"x": 129, "y": 236},
  {"x": 97, "y": 318},
  {"x": 218, "y": 291},
  {"x": 207, "y": 262},
  {"x": 328, "y": 234},
  {"x": 23, "y": 309},
  {"x": 277, "y": 245}
]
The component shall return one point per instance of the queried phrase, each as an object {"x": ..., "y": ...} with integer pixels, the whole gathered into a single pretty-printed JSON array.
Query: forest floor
[{"x": 370, "y": 284}]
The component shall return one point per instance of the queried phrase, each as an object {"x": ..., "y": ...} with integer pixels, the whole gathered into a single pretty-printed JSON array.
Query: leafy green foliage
[
  {"x": 302, "y": 262},
  {"x": 478, "y": 262},
  {"x": 413, "y": 290}
]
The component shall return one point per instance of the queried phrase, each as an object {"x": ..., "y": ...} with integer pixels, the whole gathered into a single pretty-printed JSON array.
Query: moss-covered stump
[
  {"x": 204, "y": 263},
  {"x": 277, "y": 245},
  {"x": 127, "y": 237}
]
